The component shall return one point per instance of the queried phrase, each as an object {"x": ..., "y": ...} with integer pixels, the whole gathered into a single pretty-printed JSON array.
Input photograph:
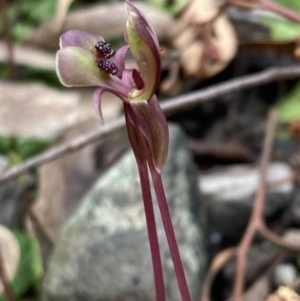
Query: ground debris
[{"x": 284, "y": 293}]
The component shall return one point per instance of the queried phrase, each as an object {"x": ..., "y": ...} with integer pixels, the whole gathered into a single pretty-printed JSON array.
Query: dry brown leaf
[
  {"x": 69, "y": 177},
  {"x": 284, "y": 293},
  {"x": 297, "y": 53},
  {"x": 191, "y": 58},
  {"x": 226, "y": 43},
  {"x": 200, "y": 11},
  {"x": 202, "y": 55},
  {"x": 10, "y": 251}
]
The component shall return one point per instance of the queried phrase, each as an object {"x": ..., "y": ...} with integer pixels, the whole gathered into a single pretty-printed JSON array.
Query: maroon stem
[
  {"x": 152, "y": 232},
  {"x": 148, "y": 205},
  {"x": 166, "y": 218}
]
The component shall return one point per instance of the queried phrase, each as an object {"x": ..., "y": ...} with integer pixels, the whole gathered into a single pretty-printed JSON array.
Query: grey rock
[
  {"x": 29, "y": 57},
  {"x": 292, "y": 235},
  {"x": 10, "y": 203},
  {"x": 246, "y": 20},
  {"x": 41, "y": 112},
  {"x": 230, "y": 192},
  {"x": 292, "y": 215},
  {"x": 98, "y": 19},
  {"x": 103, "y": 250},
  {"x": 259, "y": 258},
  {"x": 285, "y": 274}
]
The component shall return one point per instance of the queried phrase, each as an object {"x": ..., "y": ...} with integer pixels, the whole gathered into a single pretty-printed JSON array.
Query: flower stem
[
  {"x": 152, "y": 232},
  {"x": 166, "y": 218},
  {"x": 137, "y": 142}
]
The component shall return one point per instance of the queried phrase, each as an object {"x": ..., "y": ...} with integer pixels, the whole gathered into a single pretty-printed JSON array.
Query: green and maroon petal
[
  {"x": 98, "y": 94},
  {"x": 145, "y": 49},
  {"x": 76, "y": 67},
  {"x": 147, "y": 117},
  {"x": 79, "y": 38}
]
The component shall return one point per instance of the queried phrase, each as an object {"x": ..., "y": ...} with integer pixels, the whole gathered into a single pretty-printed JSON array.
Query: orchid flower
[{"x": 85, "y": 59}]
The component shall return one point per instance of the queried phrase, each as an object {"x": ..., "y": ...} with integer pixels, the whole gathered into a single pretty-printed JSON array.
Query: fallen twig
[
  {"x": 222, "y": 151},
  {"x": 277, "y": 239},
  {"x": 265, "y": 276},
  {"x": 256, "y": 223},
  {"x": 40, "y": 231},
  {"x": 269, "y": 5},
  {"x": 255, "y": 226},
  {"x": 174, "y": 105},
  {"x": 218, "y": 262},
  {"x": 280, "y": 10},
  {"x": 256, "y": 218}
]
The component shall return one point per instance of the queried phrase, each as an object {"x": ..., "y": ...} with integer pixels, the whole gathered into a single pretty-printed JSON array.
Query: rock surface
[
  {"x": 29, "y": 57},
  {"x": 292, "y": 216},
  {"x": 232, "y": 190},
  {"x": 40, "y": 111},
  {"x": 103, "y": 250},
  {"x": 108, "y": 20},
  {"x": 62, "y": 183},
  {"x": 10, "y": 203},
  {"x": 285, "y": 274}
]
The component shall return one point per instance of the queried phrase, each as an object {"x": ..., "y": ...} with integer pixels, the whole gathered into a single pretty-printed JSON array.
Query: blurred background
[{"x": 51, "y": 243}]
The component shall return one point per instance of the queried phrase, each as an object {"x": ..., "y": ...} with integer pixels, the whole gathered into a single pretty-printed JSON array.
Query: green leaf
[
  {"x": 174, "y": 8},
  {"x": 30, "y": 146},
  {"x": 295, "y": 5},
  {"x": 288, "y": 109},
  {"x": 25, "y": 19},
  {"x": 282, "y": 30},
  {"x": 30, "y": 269},
  {"x": 144, "y": 47},
  {"x": 76, "y": 67},
  {"x": 23, "y": 147},
  {"x": 6, "y": 144},
  {"x": 45, "y": 10}
]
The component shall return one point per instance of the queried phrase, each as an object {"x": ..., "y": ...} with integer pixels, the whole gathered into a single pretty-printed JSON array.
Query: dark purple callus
[
  {"x": 104, "y": 49},
  {"x": 108, "y": 66},
  {"x": 103, "y": 53}
]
